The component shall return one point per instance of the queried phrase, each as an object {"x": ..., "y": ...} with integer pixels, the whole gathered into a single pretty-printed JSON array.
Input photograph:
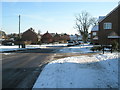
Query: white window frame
[
  {"x": 94, "y": 33},
  {"x": 107, "y": 25}
]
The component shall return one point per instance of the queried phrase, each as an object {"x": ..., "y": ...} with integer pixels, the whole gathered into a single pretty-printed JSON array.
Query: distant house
[
  {"x": 64, "y": 38},
  {"x": 30, "y": 37},
  {"x": 47, "y": 38},
  {"x": 94, "y": 35},
  {"x": 14, "y": 36},
  {"x": 56, "y": 38},
  {"x": 109, "y": 30},
  {"x": 2, "y": 35},
  {"x": 52, "y": 34},
  {"x": 52, "y": 37},
  {"x": 94, "y": 31},
  {"x": 75, "y": 37},
  {"x": 101, "y": 18},
  {"x": 6, "y": 39}
]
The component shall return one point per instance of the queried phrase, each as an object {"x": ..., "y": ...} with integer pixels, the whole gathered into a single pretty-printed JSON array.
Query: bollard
[
  {"x": 103, "y": 49},
  {"x": 111, "y": 49}
]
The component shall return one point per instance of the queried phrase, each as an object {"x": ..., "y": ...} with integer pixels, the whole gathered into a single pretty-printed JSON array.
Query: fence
[{"x": 105, "y": 47}]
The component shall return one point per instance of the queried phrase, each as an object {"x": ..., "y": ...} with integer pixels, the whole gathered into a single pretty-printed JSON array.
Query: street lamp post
[{"x": 19, "y": 31}]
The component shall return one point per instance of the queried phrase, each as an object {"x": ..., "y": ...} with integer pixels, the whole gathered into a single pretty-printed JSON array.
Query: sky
[{"x": 54, "y": 17}]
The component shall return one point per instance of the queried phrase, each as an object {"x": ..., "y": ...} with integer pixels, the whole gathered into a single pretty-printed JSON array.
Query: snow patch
[
  {"x": 77, "y": 49},
  {"x": 97, "y": 71}
]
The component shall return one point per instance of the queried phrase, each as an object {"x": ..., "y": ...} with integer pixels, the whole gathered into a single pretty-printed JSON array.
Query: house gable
[
  {"x": 30, "y": 35},
  {"x": 108, "y": 25}
]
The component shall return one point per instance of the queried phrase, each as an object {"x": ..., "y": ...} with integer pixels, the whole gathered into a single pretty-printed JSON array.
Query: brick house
[
  {"x": 47, "y": 38},
  {"x": 52, "y": 37},
  {"x": 30, "y": 37},
  {"x": 64, "y": 38},
  {"x": 74, "y": 37},
  {"x": 2, "y": 35},
  {"x": 56, "y": 38},
  {"x": 109, "y": 29},
  {"x": 94, "y": 35}
]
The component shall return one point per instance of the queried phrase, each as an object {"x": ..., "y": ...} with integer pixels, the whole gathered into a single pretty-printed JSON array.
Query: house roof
[
  {"x": 110, "y": 12},
  {"x": 56, "y": 35},
  {"x": 53, "y": 34},
  {"x": 31, "y": 30},
  {"x": 101, "y": 18},
  {"x": 95, "y": 28},
  {"x": 46, "y": 35},
  {"x": 2, "y": 33}
]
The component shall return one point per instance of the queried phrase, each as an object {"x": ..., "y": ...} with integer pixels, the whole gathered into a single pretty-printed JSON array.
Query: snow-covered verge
[
  {"x": 77, "y": 49},
  {"x": 10, "y": 48},
  {"x": 16, "y": 47},
  {"x": 96, "y": 71},
  {"x": 46, "y": 45},
  {"x": 54, "y": 45}
]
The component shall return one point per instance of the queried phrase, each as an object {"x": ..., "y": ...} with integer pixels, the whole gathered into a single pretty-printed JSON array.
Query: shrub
[{"x": 115, "y": 45}]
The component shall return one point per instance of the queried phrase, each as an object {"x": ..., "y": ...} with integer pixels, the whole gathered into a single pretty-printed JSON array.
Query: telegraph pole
[{"x": 19, "y": 31}]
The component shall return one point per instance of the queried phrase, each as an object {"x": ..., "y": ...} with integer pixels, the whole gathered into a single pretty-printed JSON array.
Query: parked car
[
  {"x": 80, "y": 42},
  {"x": 8, "y": 44},
  {"x": 76, "y": 42},
  {"x": 70, "y": 43}
]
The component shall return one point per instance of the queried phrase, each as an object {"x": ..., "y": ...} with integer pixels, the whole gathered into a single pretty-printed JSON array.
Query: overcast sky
[{"x": 49, "y": 16}]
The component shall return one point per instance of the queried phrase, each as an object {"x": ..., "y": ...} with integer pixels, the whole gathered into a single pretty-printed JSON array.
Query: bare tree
[
  {"x": 83, "y": 21},
  {"x": 95, "y": 21}
]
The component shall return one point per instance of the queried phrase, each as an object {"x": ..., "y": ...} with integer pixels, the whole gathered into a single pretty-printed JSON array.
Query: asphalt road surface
[{"x": 20, "y": 70}]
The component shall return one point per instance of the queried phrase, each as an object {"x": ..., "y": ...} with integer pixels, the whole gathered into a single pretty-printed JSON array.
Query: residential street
[
  {"x": 21, "y": 70},
  {"x": 60, "y": 45}
]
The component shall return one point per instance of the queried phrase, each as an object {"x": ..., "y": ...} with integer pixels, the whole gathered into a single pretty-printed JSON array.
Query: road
[{"x": 20, "y": 70}]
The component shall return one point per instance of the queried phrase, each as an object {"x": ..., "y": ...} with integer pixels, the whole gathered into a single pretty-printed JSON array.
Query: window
[
  {"x": 94, "y": 33},
  {"x": 107, "y": 25}
]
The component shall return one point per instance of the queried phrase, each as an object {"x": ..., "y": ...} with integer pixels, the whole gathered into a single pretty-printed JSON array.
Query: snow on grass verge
[
  {"x": 10, "y": 48},
  {"x": 97, "y": 71},
  {"x": 16, "y": 47},
  {"x": 54, "y": 45},
  {"x": 77, "y": 49}
]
